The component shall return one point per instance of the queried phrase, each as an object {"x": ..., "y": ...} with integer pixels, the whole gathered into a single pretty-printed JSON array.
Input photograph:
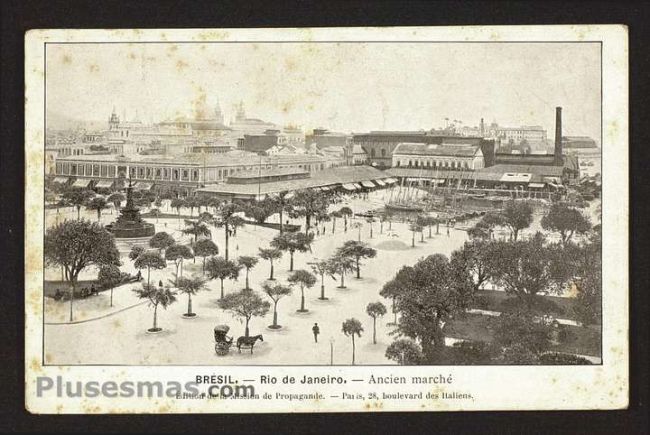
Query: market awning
[
  {"x": 61, "y": 180},
  {"x": 368, "y": 183},
  {"x": 438, "y": 180},
  {"x": 142, "y": 185},
  {"x": 80, "y": 182},
  {"x": 536, "y": 185},
  {"x": 349, "y": 186},
  {"x": 412, "y": 179},
  {"x": 325, "y": 188},
  {"x": 390, "y": 181},
  {"x": 106, "y": 184},
  {"x": 380, "y": 182},
  {"x": 357, "y": 186}
]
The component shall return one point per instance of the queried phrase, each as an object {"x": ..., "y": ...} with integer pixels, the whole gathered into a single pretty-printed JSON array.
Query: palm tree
[
  {"x": 356, "y": 250},
  {"x": 228, "y": 219},
  {"x": 178, "y": 203},
  {"x": 270, "y": 254},
  {"x": 196, "y": 229},
  {"x": 177, "y": 254},
  {"x": 358, "y": 225},
  {"x": 334, "y": 215},
  {"x": 346, "y": 212},
  {"x": 190, "y": 286},
  {"x": 149, "y": 260},
  {"x": 292, "y": 242},
  {"x": 109, "y": 276},
  {"x": 352, "y": 327},
  {"x": 340, "y": 265},
  {"x": 276, "y": 292},
  {"x": 247, "y": 263},
  {"x": 303, "y": 279},
  {"x": 374, "y": 310}
]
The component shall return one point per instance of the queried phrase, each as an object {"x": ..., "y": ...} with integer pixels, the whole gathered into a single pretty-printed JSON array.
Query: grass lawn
[
  {"x": 477, "y": 327},
  {"x": 494, "y": 300}
]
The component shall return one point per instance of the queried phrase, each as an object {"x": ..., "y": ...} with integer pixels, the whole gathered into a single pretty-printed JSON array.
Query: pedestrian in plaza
[
  {"x": 160, "y": 284},
  {"x": 316, "y": 330}
]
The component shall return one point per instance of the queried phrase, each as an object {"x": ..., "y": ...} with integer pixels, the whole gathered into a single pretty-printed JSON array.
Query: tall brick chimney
[{"x": 558, "y": 160}]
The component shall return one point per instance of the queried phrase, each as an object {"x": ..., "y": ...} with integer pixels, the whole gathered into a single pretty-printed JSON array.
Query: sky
[{"x": 350, "y": 87}]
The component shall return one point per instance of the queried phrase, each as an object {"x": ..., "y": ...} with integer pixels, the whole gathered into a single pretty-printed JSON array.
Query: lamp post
[{"x": 331, "y": 351}]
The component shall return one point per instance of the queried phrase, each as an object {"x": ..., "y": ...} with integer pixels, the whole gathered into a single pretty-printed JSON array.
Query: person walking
[{"x": 316, "y": 330}]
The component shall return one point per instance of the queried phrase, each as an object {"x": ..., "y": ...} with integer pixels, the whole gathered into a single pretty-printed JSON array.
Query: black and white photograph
[{"x": 226, "y": 200}]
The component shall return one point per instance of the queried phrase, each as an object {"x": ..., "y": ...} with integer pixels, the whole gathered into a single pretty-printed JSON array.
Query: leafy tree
[
  {"x": 405, "y": 351},
  {"x": 191, "y": 202},
  {"x": 259, "y": 211},
  {"x": 178, "y": 203},
  {"x": 190, "y": 286},
  {"x": 109, "y": 276},
  {"x": 522, "y": 337},
  {"x": 304, "y": 279},
  {"x": 221, "y": 269},
  {"x": 76, "y": 245},
  {"x": 374, "y": 310},
  {"x": 526, "y": 268},
  {"x": 177, "y": 254},
  {"x": 308, "y": 203},
  {"x": 155, "y": 212},
  {"x": 276, "y": 292},
  {"x": 517, "y": 215},
  {"x": 150, "y": 260},
  {"x": 158, "y": 202},
  {"x": 352, "y": 327},
  {"x": 206, "y": 216},
  {"x": 135, "y": 252},
  {"x": 97, "y": 203},
  {"x": 161, "y": 241},
  {"x": 77, "y": 198},
  {"x": 292, "y": 242},
  {"x": 321, "y": 268},
  {"x": 340, "y": 265},
  {"x": 475, "y": 258},
  {"x": 358, "y": 251},
  {"x": 245, "y": 304},
  {"x": 247, "y": 263},
  {"x": 427, "y": 294},
  {"x": 205, "y": 248},
  {"x": 156, "y": 296},
  {"x": 585, "y": 264},
  {"x": 392, "y": 289},
  {"x": 421, "y": 222},
  {"x": 228, "y": 219},
  {"x": 346, "y": 212},
  {"x": 430, "y": 221},
  {"x": 270, "y": 254},
  {"x": 566, "y": 221}
]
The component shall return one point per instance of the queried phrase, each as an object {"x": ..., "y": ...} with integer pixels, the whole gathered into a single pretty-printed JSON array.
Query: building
[
  {"x": 532, "y": 134},
  {"x": 182, "y": 173},
  {"x": 578, "y": 142},
  {"x": 261, "y": 143},
  {"x": 256, "y": 185},
  {"x": 379, "y": 145},
  {"x": 243, "y": 125},
  {"x": 456, "y": 156},
  {"x": 323, "y": 138},
  {"x": 359, "y": 155}
]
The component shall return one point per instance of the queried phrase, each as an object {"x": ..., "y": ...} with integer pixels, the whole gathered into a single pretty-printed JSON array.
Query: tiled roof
[{"x": 444, "y": 150}]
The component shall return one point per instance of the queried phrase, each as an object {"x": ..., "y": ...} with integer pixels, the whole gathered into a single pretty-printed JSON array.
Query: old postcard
[{"x": 326, "y": 220}]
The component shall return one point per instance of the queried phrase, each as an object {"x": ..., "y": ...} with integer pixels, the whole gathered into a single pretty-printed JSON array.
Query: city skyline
[{"x": 389, "y": 83}]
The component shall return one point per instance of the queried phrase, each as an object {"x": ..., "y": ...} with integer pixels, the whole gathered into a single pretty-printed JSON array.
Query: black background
[{"x": 20, "y": 16}]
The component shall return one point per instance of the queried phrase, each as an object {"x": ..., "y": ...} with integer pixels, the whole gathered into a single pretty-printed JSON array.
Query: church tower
[{"x": 218, "y": 114}]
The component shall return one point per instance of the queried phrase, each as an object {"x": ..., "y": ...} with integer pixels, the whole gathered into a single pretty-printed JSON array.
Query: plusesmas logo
[{"x": 59, "y": 387}]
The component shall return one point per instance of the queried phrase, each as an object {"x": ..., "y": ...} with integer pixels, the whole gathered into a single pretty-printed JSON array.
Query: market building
[
  {"x": 181, "y": 174},
  {"x": 256, "y": 185}
]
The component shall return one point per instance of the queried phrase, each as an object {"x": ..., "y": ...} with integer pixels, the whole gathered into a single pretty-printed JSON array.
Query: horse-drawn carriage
[{"x": 222, "y": 342}]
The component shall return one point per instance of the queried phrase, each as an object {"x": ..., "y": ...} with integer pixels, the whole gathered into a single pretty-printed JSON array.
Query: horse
[{"x": 248, "y": 342}]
